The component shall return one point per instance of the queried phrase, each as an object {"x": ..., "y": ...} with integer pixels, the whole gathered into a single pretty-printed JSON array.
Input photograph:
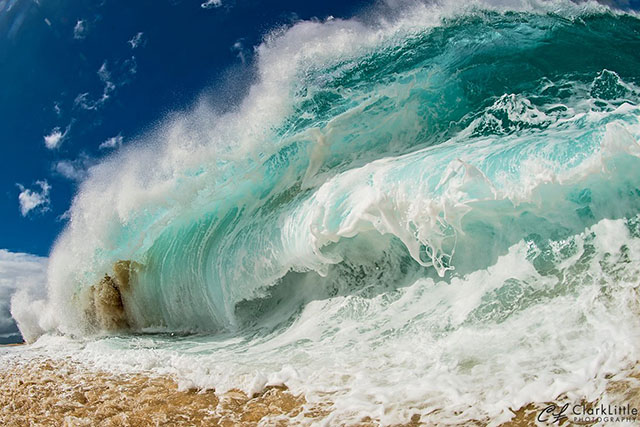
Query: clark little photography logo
[{"x": 588, "y": 414}]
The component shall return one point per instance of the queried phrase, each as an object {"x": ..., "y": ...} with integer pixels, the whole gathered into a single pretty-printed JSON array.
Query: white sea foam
[
  {"x": 434, "y": 345},
  {"x": 309, "y": 249}
]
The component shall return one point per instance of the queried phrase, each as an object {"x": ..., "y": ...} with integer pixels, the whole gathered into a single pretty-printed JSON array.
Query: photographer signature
[{"x": 553, "y": 414}]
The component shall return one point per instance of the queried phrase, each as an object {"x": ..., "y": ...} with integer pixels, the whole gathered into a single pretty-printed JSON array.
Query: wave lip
[
  {"x": 448, "y": 200},
  {"x": 425, "y": 129}
]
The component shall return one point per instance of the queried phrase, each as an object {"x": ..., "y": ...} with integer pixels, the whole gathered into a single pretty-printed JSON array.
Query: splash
[{"x": 419, "y": 193}]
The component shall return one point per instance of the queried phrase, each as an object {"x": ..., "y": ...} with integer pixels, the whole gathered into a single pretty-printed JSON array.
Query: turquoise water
[{"x": 417, "y": 195}]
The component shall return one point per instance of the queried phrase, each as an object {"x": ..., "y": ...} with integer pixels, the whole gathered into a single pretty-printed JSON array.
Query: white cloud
[
  {"x": 83, "y": 101},
  {"x": 137, "y": 40},
  {"x": 239, "y": 48},
  {"x": 33, "y": 199},
  {"x": 55, "y": 138},
  {"x": 67, "y": 169},
  {"x": 210, "y": 4},
  {"x": 80, "y": 30},
  {"x": 75, "y": 170},
  {"x": 113, "y": 142},
  {"x": 130, "y": 67},
  {"x": 70, "y": 170},
  {"x": 18, "y": 271},
  {"x": 105, "y": 77}
]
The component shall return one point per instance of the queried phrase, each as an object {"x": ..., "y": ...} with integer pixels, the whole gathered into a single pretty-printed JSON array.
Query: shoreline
[
  {"x": 45, "y": 391},
  {"x": 52, "y": 392}
]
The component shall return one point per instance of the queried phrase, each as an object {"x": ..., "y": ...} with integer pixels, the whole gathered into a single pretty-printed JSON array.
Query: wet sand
[
  {"x": 55, "y": 393},
  {"x": 62, "y": 393}
]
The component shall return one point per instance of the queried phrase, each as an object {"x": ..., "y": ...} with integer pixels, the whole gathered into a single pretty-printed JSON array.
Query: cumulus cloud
[
  {"x": 113, "y": 142},
  {"x": 33, "y": 199},
  {"x": 137, "y": 41},
  {"x": 210, "y": 4},
  {"x": 18, "y": 272},
  {"x": 55, "y": 138},
  {"x": 80, "y": 30}
]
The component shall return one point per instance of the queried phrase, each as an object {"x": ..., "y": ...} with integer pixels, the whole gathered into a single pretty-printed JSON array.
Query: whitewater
[{"x": 426, "y": 209}]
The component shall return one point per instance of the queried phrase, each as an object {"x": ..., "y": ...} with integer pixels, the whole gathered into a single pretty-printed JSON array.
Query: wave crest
[{"x": 452, "y": 133}]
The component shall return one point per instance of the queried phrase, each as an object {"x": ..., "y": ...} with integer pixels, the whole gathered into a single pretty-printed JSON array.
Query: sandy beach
[
  {"x": 51, "y": 392},
  {"x": 48, "y": 392}
]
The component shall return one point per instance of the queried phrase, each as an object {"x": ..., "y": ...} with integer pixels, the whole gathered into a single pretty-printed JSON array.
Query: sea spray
[{"x": 446, "y": 200}]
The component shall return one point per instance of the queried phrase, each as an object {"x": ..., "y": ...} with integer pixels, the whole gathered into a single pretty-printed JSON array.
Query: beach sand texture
[{"x": 48, "y": 392}]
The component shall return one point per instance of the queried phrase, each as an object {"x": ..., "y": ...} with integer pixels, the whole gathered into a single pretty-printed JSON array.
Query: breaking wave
[{"x": 420, "y": 193}]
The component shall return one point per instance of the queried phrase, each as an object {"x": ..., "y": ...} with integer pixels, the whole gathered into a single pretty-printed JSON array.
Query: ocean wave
[
  {"x": 388, "y": 186},
  {"x": 415, "y": 116}
]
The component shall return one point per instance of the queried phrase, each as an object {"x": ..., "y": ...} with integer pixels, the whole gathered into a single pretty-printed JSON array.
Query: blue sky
[{"x": 82, "y": 78}]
